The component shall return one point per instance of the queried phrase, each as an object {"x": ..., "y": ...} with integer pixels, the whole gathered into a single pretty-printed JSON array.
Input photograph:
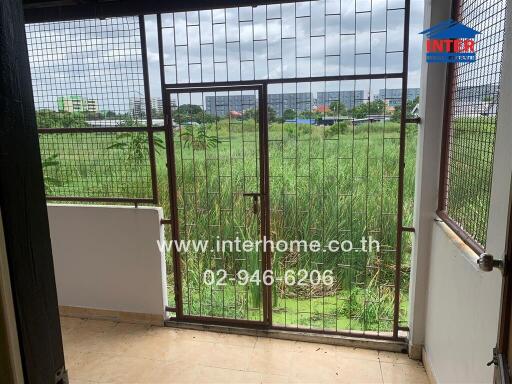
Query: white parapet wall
[
  {"x": 462, "y": 312},
  {"x": 107, "y": 260}
]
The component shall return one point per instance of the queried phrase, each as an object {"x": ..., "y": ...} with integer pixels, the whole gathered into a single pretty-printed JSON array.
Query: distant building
[
  {"x": 157, "y": 106},
  {"x": 137, "y": 107},
  {"x": 349, "y": 99},
  {"x": 299, "y": 102},
  {"x": 393, "y": 96},
  {"x": 279, "y": 102},
  {"x": 221, "y": 106},
  {"x": 477, "y": 93},
  {"x": 74, "y": 103}
]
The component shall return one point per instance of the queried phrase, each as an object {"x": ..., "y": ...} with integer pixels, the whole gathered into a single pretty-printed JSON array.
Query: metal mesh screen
[
  {"x": 284, "y": 41},
  {"x": 87, "y": 72},
  {"x": 334, "y": 75},
  {"x": 334, "y": 177},
  {"x": 218, "y": 173},
  {"x": 474, "y": 91},
  {"x": 89, "y": 95},
  {"x": 96, "y": 165}
]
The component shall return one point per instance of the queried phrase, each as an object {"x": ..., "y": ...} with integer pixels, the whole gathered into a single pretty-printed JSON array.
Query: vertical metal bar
[
  {"x": 445, "y": 141},
  {"x": 265, "y": 211},
  {"x": 149, "y": 118},
  {"x": 403, "y": 116},
  {"x": 171, "y": 176}
]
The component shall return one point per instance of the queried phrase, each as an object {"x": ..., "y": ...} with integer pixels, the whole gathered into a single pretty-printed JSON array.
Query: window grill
[
  {"x": 89, "y": 94},
  {"x": 295, "y": 41},
  {"x": 470, "y": 124},
  {"x": 332, "y": 174}
]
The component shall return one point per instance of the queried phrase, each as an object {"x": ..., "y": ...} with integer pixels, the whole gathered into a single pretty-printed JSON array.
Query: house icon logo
[{"x": 450, "y": 42}]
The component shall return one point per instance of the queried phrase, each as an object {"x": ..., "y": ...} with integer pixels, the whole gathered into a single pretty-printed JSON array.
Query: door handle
[
  {"x": 487, "y": 263},
  {"x": 255, "y": 197}
]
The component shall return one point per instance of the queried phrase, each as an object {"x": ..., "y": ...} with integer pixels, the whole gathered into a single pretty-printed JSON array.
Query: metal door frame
[
  {"x": 263, "y": 83},
  {"x": 263, "y": 193}
]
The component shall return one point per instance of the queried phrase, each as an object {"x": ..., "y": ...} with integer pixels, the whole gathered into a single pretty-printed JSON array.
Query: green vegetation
[{"x": 326, "y": 183}]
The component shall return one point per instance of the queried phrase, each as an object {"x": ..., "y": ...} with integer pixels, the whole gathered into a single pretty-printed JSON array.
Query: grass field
[{"x": 326, "y": 183}]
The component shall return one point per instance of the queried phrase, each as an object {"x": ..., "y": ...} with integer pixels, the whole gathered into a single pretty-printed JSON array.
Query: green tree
[
  {"x": 52, "y": 119},
  {"x": 251, "y": 114},
  {"x": 338, "y": 108},
  {"x": 192, "y": 112},
  {"x": 198, "y": 138},
  {"x": 409, "y": 107},
  {"x": 289, "y": 114},
  {"x": 134, "y": 145},
  {"x": 272, "y": 115},
  {"x": 376, "y": 107}
]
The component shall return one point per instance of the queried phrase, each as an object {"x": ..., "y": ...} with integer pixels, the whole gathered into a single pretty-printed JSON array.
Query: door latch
[
  {"x": 494, "y": 360},
  {"x": 255, "y": 197},
  {"x": 487, "y": 263}
]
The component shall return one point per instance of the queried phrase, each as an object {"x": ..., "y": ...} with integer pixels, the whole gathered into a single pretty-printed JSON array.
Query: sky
[{"x": 106, "y": 66}]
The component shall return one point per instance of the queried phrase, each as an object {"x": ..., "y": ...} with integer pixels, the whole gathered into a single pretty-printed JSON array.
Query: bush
[{"x": 336, "y": 129}]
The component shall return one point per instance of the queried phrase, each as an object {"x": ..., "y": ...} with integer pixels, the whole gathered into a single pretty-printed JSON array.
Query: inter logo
[{"x": 450, "y": 42}]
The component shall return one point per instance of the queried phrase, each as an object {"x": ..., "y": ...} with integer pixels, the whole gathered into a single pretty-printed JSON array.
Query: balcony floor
[{"x": 109, "y": 352}]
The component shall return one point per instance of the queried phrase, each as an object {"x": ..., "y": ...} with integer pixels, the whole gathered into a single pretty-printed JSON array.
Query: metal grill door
[{"x": 219, "y": 199}]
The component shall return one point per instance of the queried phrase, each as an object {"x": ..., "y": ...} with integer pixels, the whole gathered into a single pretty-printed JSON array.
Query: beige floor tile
[
  {"x": 315, "y": 348},
  {"x": 74, "y": 381},
  {"x": 269, "y": 361},
  {"x": 314, "y": 367},
  {"x": 396, "y": 358},
  {"x": 225, "y": 356},
  {"x": 102, "y": 368},
  {"x": 237, "y": 340},
  {"x": 274, "y": 379},
  {"x": 204, "y": 336},
  {"x": 67, "y": 323},
  {"x": 177, "y": 373},
  {"x": 403, "y": 373},
  {"x": 358, "y": 371},
  {"x": 99, "y": 325},
  {"x": 357, "y": 353},
  {"x": 109, "y": 352},
  {"x": 154, "y": 346},
  {"x": 84, "y": 339},
  {"x": 214, "y": 375},
  {"x": 278, "y": 344}
]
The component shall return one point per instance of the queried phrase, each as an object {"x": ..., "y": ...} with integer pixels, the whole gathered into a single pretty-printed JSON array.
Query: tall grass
[
  {"x": 326, "y": 183},
  {"x": 323, "y": 186}
]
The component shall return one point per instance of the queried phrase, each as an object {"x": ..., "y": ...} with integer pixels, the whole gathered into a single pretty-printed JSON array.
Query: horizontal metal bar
[
  {"x": 166, "y": 221},
  {"x": 209, "y": 87},
  {"x": 329, "y": 337},
  {"x": 222, "y": 321},
  {"x": 394, "y": 75},
  {"x": 343, "y": 333},
  {"x": 413, "y": 120},
  {"x": 100, "y": 130},
  {"x": 253, "y": 194},
  {"x": 101, "y": 199},
  {"x": 455, "y": 227},
  {"x": 409, "y": 229},
  {"x": 59, "y": 10}
]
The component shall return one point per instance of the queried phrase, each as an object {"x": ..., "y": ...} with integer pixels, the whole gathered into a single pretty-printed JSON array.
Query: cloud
[{"x": 101, "y": 58}]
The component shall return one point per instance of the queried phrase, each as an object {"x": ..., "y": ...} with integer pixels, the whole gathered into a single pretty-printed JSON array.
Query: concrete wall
[
  {"x": 432, "y": 87},
  {"x": 107, "y": 258},
  {"x": 462, "y": 312},
  {"x": 455, "y": 307}
]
